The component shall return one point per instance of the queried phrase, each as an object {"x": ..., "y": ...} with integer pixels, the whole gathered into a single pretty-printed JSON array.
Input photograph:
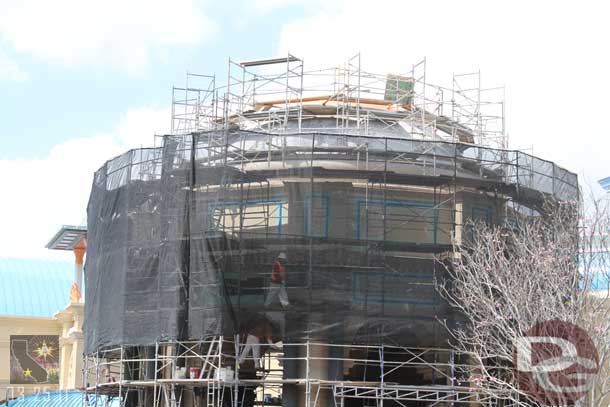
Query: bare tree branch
[{"x": 505, "y": 279}]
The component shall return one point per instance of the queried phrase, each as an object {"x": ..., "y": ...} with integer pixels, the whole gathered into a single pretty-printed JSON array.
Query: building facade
[
  {"x": 286, "y": 249},
  {"x": 41, "y": 319}
]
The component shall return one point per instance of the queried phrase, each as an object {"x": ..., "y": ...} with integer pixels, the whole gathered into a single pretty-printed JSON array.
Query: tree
[{"x": 505, "y": 279}]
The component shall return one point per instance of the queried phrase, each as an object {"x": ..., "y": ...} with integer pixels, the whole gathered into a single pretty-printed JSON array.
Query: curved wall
[{"x": 182, "y": 238}]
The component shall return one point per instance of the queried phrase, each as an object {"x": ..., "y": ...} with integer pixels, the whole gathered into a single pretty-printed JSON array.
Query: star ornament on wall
[
  {"x": 27, "y": 373},
  {"x": 44, "y": 351}
]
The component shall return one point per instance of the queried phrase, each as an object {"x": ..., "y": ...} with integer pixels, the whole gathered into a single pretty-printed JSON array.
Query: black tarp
[{"x": 182, "y": 240}]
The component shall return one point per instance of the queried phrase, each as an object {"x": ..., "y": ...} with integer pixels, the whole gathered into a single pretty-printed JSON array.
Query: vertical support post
[
  {"x": 186, "y": 103},
  {"x": 452, "y": 370},
  {"x": 301, "y": 96},
  {"x": 358, "y": 82},
  {"x": 240, "y": 241},
  {"x": 336, "y": 94},
  {"x": 155, "y": 388},
  {"x": 121, "y": 371},
  {"x": 423, "y": 110},
  {"x": 286, "y": 96},
  {"x": 381, "y": 362},
  {"x": 504, "y": 135},
  {"x": 242, "y": 97},
  {"x": 437, "y": 202},
  {"x": 453, "y": 115},
  {"x": 385, "y": 190},
  {"x": 77, "y": 286},
  {"x": 366, "y": 191},
  {"x": 227, "y": 104},
  {"x": 457, "y": 207},
  {"x": 97, "y": 371},
  {"x": 173, "y": 127},
  {"x": 269, "y": 141},
  {"x": 268, "y": 214},
  {"x": 254, "y": 79},
  {"x": 309, "y": 222},
  {"x": 236, "y": 377},
  {"x": 517, "y": 153},
  {"x": 85, "y": 381},
  {"x": 479, "y": 123},
  {"x": 307, "y": 379},
  {"x": 198, "y": 111},
  {"x": 290, "y": 371}
]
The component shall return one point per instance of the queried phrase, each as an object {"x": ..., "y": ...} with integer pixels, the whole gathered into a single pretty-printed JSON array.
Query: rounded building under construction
[{"x": 282, "y": 245}]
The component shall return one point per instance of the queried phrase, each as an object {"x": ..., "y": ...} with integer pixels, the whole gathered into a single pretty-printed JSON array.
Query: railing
[
  {"x": 244, "y": 149},
  {"x": 322, "y": 370}
]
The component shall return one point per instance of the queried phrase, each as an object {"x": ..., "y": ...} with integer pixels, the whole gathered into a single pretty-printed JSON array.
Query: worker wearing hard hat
[{"x": 277, "y": 288}]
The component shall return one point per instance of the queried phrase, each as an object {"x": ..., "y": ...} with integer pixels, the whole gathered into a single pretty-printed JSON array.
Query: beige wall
[
  {"x": 67, "y": 324},
  {"x": 10, "y": 325},
  {"x": 336, "y": 205}
]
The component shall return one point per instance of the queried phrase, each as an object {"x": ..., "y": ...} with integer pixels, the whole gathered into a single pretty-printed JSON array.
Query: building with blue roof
[
  {"x": 41, "y": 317},
  {"x": 35, "y": 316},
  {"x": 61, "y": 399},
  {"x": 34, "y": 288}
]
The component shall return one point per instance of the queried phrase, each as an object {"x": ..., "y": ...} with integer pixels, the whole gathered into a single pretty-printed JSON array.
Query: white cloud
[
  {"x": 122, "y": 34},
  {"x": 267, "y": 6},
  {"x": 53, "y": 190},
  {"x": 9, "y": 70},
  {"x": 548, "y": 54}
]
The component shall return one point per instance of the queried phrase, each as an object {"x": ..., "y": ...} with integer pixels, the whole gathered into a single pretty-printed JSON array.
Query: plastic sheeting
[
  {"x": 182, "y": 239},
  {"x": 136, "y": 276}
]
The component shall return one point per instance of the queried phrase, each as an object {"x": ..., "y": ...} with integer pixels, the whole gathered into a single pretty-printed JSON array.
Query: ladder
[
  {"x": 211, "y": 362},
  {"x": 255, "y": 216},
  {"x": 212, "y": 394},
  {"x": 210, "y": 371}
]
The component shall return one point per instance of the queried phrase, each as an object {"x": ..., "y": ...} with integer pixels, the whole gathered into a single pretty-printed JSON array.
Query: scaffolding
[
  {"x": 362, "y": 183},
  {"x": 213, "y": 368},
  {"x": 258, "y": 97},
  {"x": 194, "y": 106}
]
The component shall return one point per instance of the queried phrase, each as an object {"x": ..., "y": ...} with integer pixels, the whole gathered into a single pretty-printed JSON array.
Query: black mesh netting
[{"x": 182, "y": 239}]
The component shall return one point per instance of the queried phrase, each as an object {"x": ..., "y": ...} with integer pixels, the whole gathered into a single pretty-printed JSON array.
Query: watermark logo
[{"x": 556, "y": 363}]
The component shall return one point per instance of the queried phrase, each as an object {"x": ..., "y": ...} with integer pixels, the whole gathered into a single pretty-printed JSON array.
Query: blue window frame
[
  {"x": 276, "y": 210},
  {"x": 320, "y": 212}
]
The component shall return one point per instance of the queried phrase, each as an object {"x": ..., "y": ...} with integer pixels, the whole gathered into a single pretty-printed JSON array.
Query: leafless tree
[{"x": 504, "y": 279}]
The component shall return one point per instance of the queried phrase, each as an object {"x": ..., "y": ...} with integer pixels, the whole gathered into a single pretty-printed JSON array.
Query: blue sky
[
  {"x": 58, "y": 102},
  {"x": 83, "y": 80}
]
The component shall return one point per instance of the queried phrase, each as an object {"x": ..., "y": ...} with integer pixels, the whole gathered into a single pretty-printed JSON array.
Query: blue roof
[
  {"x": 34, "y": 288},
  {"x": 72, "y": 398}
]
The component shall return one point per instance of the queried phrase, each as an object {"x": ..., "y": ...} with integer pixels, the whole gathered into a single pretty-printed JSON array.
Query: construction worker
[
  {"x": 260, "y": 335},
  {"x": 277, "y": 288}
]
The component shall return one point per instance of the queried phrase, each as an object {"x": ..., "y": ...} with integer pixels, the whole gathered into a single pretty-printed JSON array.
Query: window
[
  {"x": 320, "y": 210},
  {"x": 481, "y": 214},
  {"x": 405, "y": 221},
  {"x": 260, "y": 217}
]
